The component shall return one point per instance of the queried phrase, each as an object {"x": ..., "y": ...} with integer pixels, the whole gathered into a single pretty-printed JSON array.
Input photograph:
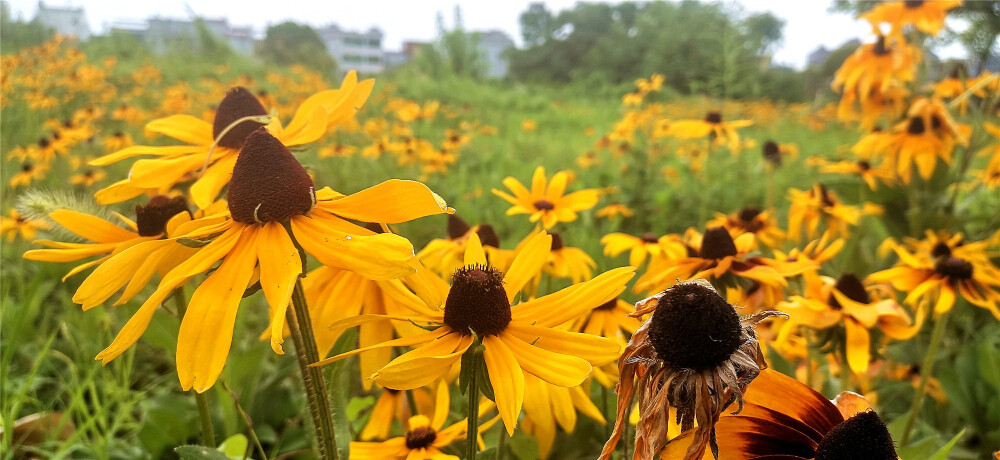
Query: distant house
[
  {"x": 65, "y": 21},
  {"x": 817, "y": 57},
  {"x": 361, "y": 51},
  {"x": 163, "y": 33},
  {"x": 492, "y": 43},
  {"x": 398, "y": 58}
]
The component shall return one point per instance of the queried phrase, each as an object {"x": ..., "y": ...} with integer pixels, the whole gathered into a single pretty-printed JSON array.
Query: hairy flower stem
[
  {"x": 926, "y": 371},
  {"x": 204, "y": 414},
  {"x": 312, "y": 377},
  {"x": 471, "y": 444}
]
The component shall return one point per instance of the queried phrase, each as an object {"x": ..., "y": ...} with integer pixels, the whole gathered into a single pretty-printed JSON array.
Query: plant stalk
[
  {"x": 312, "y": 377},
  {"x": 926, "y": 371},
  {"x": 472, "y": 433}
]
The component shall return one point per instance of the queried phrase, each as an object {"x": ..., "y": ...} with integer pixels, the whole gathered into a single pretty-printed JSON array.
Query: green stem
[
  {"x": 312, "y": 377},
  {"x": 809, "y": 357},
  {"x": 501, "y": 442},
  {"x": 204, "y": 412},
  {"x": 926, "y": 371},
  {"x": 412, "y": 403},
  {"x": 471, "y": 445},
  {"x": 604, "y": 409},
  {"x": 845, "y": 372}
]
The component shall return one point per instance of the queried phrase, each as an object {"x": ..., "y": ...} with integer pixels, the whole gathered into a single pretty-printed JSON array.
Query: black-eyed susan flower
[
  {"x": 614, "y": 210},
  {"x": 940, "y": 272},
  {"x": 641, "y": 247},
  {"x": 270, "y": 199},
  {"x": 872, "y": 72},
  {"x": 928, "y": 134},
  {"x": 926, "y": 15},
  {"x": 547, "y": 202},
  {"x": 212, "y": 148},
  {"x": 14, "y": 224},
  {"x": 721, "y": 132},
  {"x": 87, "y": 178},
  {"x": 117, "y": 141},
  {"x": 717, "y": 257},
  {"x": 566, "y": 262},
  {"x": 391, "y": 405},
  {"x": 871, "y": 174},
  {"x": 518, "y": 339},
  {"x": 774, "y": 153},
  {"x": 694, "y": 354},
  {"x": 845, "y": 310},
  {"x": 445, "y": 255},
  {"x": 29, "y": 172},
  {"x": 424, "y": 438},
  {"x": 783, "y": 418},
  {"x": 762, "y": 223},
  {"x": 820, "y": 205}
]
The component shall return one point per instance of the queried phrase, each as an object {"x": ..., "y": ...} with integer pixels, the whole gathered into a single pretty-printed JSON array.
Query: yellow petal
[
  {"x": 280, "y": 267},
  {"x": 184, "y": 128},
  {"x": 381, "y": 256},
  {"x": 555, "y": 368},
  {"x": 527, "y": 263},
  {"x": 507, "y": 380},
  {"x": 390, "y": 202},
  {"x": 474, "y": 254},
  {"x": 91, "y": 228}
]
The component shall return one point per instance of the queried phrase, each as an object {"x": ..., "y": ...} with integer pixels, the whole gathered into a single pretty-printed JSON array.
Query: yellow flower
[
  {"x": 942, "y": 270},
  {"x": 774, "y": 152},
  {"x": 722, "y": 132},
  {"x": 761, "y": 223},
  {"x": 547, "y": 405},
  {"x": 872, "y": 175},
  {"x": 817, "y": 205},
  {"x": 180, "y": 163},
  {"x": 444, "y": 256},
  {"x": 518, "y": 339},
  {"x": 424, "y": 438},
  {"x": 614, "y": 210},
  {"x": 846, "y": 302},
  {"x": 641, "y": 247},
  {"x": 568, "y": 262},
  {"x": 117, "y": 141},
  {"x": 14, "y": 224},
  {"x": 392, "y": 405},
  {"x": 545, "y": 201},
  {"x": 872, "y": 73},
  {"x": 926, "y": 16},
  {"x": 528, "y": 125},
  {"x": 87, "y": 178},
  {"x": 928, "y": 134},
  {"x": 270, "y": 200},
  {"x": 29, "y": 172}
]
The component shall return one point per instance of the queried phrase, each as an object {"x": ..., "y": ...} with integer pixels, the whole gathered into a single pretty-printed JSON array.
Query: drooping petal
[
  {"x": 186, "y": 128},
  {"x": 381, "y": 256},
  {"x": 507, "y": 379},
  {"x": 280, "y": 267},
  {"x": 90, "y": 227},
  {"x": 558, "y": 369},
  {"x": 389, "y": 202}
]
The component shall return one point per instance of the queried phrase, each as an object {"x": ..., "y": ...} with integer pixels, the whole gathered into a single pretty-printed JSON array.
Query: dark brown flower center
[
  {"x": 27, "y": 167},
  {"x": 457, "y": 227},
  {"x": 152, "y": 218},
  {"x": 557, "y": 241},
  {"x": 772, "y": 152},
  {"x": 941, "y": 250},
  {"x": 693, "y": 327},
  {"x": 488, "y": 236},
  {"x": 954, "y": 267},
  {"x": 864, "y": 165},
  {"x": 825, "y": 196},
  {"x": 238, "y": 103},
  {"x": 420, "y": 438},
  {"x": 880, "y": 48},
  {"x": 477, "y": 301},
  {"x": 713, "y": 117},
  {"x": 268, "y": 183},
  {"x": 649, "y": 238},
  {"x": 916, "y": 125},
  {"x": 912, "y": 4},
  {"x": 717, "y": 244},
  {"x": 862, "y": 436},
  {"x": 852, "y": 288},
  {"x": 43, "y": 142},
  {"x": 544, "y": 205}
]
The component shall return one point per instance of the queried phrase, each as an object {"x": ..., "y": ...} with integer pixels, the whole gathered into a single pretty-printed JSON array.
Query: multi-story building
[
  {"x": 361, "y": 51},
  {"x": 65, "y": 21},
  {"x": 163, "y": 33}
]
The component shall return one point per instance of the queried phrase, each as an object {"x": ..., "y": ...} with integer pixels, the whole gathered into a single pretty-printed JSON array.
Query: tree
[
  {"x": 536, "y": 24},
  {"x": 455, "y": 52},
  {"x": 291, "y": 43}
]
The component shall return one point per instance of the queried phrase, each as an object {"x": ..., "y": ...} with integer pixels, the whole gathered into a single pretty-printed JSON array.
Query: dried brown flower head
[{"x": 694, "y": 354}]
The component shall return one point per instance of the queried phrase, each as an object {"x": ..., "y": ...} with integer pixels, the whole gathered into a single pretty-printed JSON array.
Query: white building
[
  {"x": 361, "y": 51},
  {"x": 492, "y": 44},
  {"x": 65, "y": 21},
  {"x": 163, "y": 33}
]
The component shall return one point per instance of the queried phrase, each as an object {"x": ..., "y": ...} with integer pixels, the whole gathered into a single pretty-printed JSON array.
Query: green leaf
[
  {"x": 193, "y": 243},
  {"x": 942, "y": 453},
  {"x": 199, "y": 453},
  {"x": 989, "y": 363},
  {"x": 488, "y": 454},
  {"x": 235, "y": 447}
]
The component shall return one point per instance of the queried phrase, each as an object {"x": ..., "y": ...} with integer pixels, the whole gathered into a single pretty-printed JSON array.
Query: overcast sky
[{"x": 807, "y": 23}]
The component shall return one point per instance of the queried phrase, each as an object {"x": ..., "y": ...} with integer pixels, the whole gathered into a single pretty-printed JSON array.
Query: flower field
[{"x": 204, "y": 259}]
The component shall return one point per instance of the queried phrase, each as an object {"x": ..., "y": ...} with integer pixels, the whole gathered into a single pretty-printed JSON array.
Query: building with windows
[
  {"x": 65, "y": 21},
  {"x": 492, "y": 44},
  {"x": 361, "y": 51}
]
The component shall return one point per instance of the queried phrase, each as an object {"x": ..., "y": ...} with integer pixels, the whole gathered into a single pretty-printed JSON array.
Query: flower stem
[
  {"x": 472, "y": 433},
  {"x": 312, "y": 377},
  {"x": 501, "y": 442},
  {"x": 926, "y": 370},
  {"x": 204, "y": 412}
]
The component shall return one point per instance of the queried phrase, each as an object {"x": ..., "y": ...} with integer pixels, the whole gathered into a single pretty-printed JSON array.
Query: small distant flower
[
  {"x": 546, "y": 201},
  {"x": 926, "y": 15},
  {"x": 640, "y": 247},
  {"x": 774, "y": 152},
  {"x": 614, "y": 210},
  {"x": 816, "y": 205},
  {"x": 87, "y": 178},
  {"x": 762, "y": 223},
  {"x": 29, "y": 172},
  {"x": 528, "y": 125},
  {"x": 14, "y": 224},
  {"x": 722, "y": 132}
]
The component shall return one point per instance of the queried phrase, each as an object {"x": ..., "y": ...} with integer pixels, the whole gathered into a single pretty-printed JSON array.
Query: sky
[{"x": 807, "y": 23}]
